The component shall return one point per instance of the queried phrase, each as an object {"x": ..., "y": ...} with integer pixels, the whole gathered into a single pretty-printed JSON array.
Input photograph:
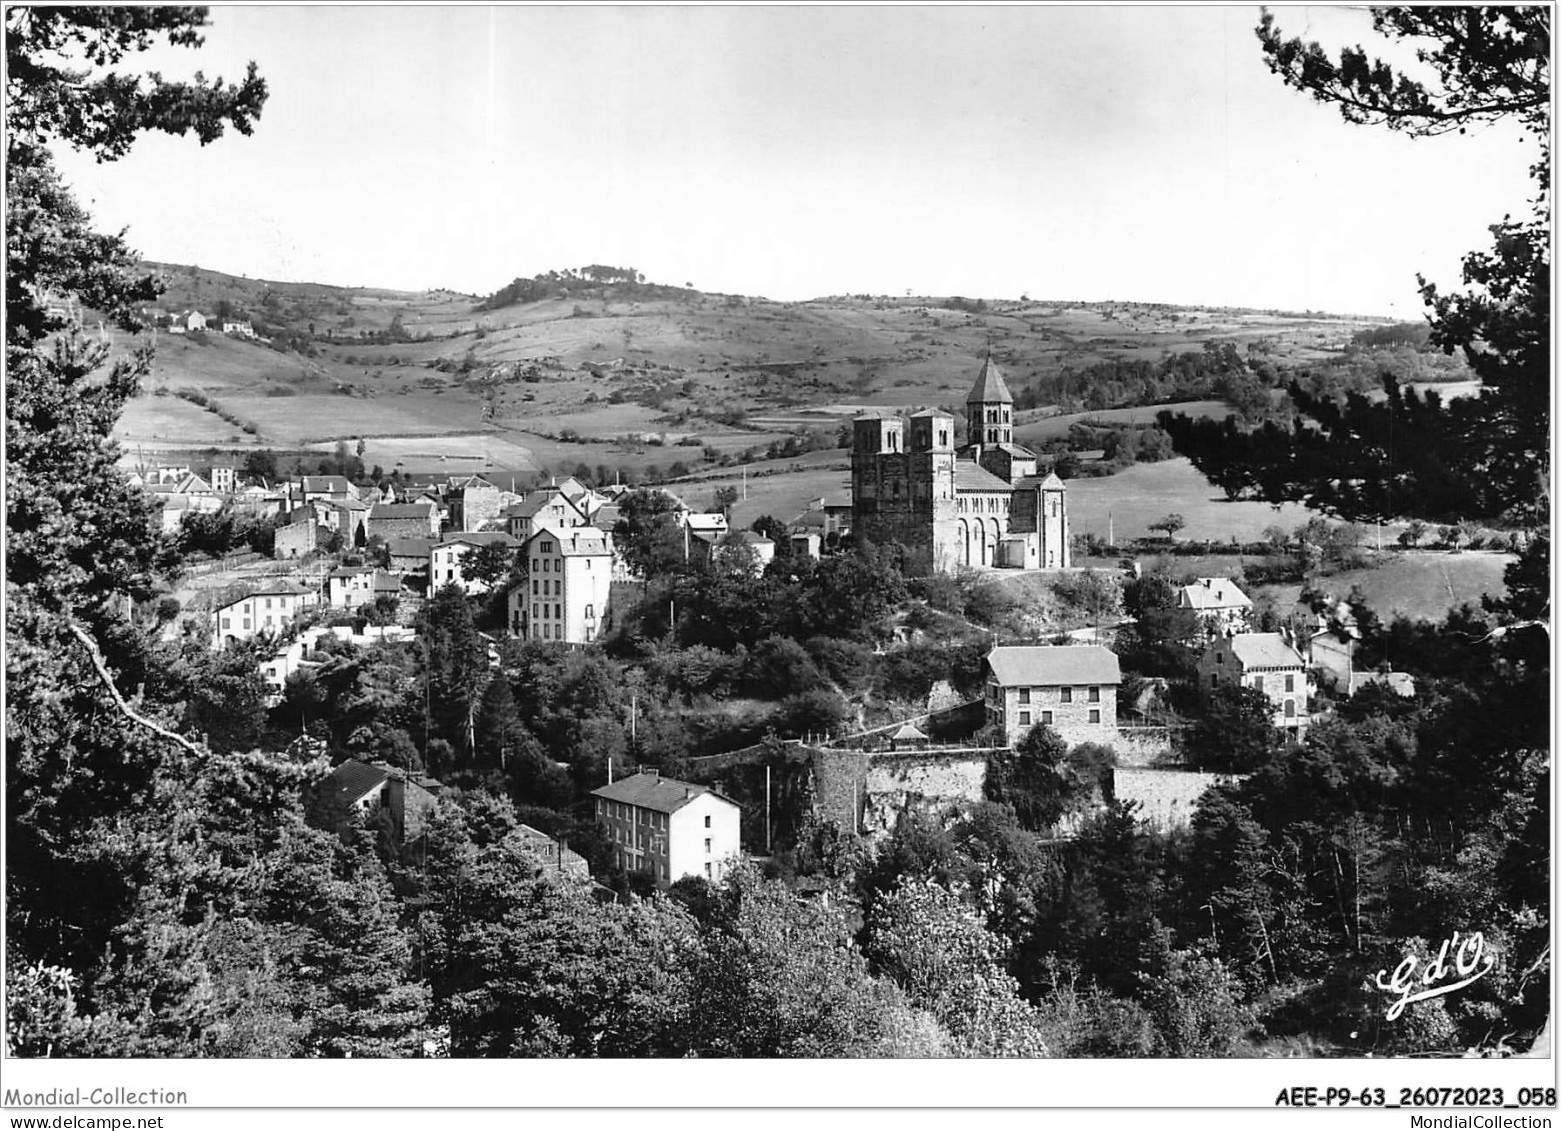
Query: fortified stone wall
[
  {"x": 1168, "y": 797},
  {"x": 927, "y": 781},
  {"x": 1143, "y": 746},
  {"x": 839, "y": 786}
]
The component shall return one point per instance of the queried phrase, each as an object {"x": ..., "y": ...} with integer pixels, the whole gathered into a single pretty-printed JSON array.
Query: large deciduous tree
[{"x": 1480, "y": 457}]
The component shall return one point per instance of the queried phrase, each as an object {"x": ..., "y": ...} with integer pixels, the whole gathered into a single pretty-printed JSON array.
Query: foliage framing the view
[{"x": 1482, "y": 457}]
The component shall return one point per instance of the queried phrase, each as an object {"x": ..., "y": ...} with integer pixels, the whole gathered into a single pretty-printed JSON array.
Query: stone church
[{"x": 982, "y": 504}]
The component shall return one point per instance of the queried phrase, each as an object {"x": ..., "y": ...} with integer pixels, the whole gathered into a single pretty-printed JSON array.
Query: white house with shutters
[
  {"x": 566, "y": 588},
  {"x": 268, "y": 609},
  {"x": 669, "y": 829}
]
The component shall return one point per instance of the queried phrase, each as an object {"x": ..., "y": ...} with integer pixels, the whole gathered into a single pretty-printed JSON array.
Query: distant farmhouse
[{"x": 980, "y": 505}]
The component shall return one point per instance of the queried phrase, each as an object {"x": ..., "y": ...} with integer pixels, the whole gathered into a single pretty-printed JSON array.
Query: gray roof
[
  {"x": 932, "y": 412},
  {"x": 480, "y": 538},
  {"x": 1265, "y": 650},
  {"x": 403, "y": 510},
  {"x": 537, "y": 500},
  {"x": 577, "y": 541},
  {"x": 990, "y": 386},
  {"x": 410, "y": 547},
  {"x": 352, "y": 779},
  {"x": 332, "y": 484},
  {"x": 1213, "y": 593},
  {"x": 651, "y": 791},
  {"x": 1031, "y": 666},
  {"x": 969, "y": 476}
]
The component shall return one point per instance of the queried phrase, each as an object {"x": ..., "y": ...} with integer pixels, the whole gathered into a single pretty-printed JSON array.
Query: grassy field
[
  {"x": 1420, "y": 585},
  {"x": 678, "y": 364},
  {"x": 1123, "y": 505},
  {"x": 1040, "y": 431}
]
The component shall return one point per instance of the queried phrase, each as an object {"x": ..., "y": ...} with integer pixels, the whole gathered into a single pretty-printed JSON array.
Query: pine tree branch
[{"x": 101, "y": 667}]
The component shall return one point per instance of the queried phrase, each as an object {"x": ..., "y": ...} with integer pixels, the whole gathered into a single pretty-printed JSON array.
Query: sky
[{"x": 1093, "y": 153}]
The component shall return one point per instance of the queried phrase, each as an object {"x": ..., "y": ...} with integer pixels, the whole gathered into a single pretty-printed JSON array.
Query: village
[{"x": 362, "y": 560}]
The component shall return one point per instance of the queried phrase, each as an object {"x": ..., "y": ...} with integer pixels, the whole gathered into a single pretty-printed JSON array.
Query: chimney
[
  {"x": 1206, "y": 582},
  {"x": 688, "y": 792}
]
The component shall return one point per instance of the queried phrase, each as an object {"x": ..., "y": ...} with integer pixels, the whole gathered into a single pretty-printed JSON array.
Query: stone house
[
  {"x": 403, "y": 520},
  {"x": 1267, "y": 661},
  {"x": 1071, "y": 688},
  {"x": 410, "y": 555},
  {"x": 547, "y": 507},
  {"x": 555, "y": 856},
  {"x": 474, "y": 503},
  {"x": 669, "y": 829},
  {"x": 356, "y": 791},
  {"x": 298, "y": 539},
  {"x": 352, "y": 587}
]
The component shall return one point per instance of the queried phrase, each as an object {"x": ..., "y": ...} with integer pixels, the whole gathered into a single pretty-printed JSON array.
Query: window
[
  {"x": 547, "y": 632},
  {"x": 535, "y": 587},
  {"x": 1214, "y": 680},
  {"x": 1024, "y": 695},
  {"x": 1289, "y": 708},
  {"x": 547, "y": 546},
  {"x": 707, "y": 820},
  {"x": 1094, "y": 716},
  {"x": 1289, "y": 683},
  {"x": 246, "y": 622},
  {"x": 224, "y": 622},
  {"x": 1094, "y": 695},
  {"x": 268, "y": 602},
  {"x": 1024, "y": 718},
  {"x": 707, "y": 869},
  {"x": 556, "y": 614},
  {"x": 536, "y": 566},
  {"x": 1046, "y": 717},
  {"x": 707, "y": 844},
  {"x": 1257, "y": 682},
  {"x": 590, "y": 611},
  {"x": 1219, "y": 657},
  {"x": 1067, "y": 694}
]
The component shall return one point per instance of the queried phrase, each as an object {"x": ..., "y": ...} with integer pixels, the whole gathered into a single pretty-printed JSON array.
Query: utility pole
[{"x": 768, "y": 839}]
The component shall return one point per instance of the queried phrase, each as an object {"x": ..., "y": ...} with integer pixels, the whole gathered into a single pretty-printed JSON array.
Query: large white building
[
  {"x": 268, "y": 609},
  {"x": 564, "y": 594},
  {"x": 669, "y": 829}
]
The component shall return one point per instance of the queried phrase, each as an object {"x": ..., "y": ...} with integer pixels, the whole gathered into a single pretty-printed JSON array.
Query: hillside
[{"x": 616, "y": 372}]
